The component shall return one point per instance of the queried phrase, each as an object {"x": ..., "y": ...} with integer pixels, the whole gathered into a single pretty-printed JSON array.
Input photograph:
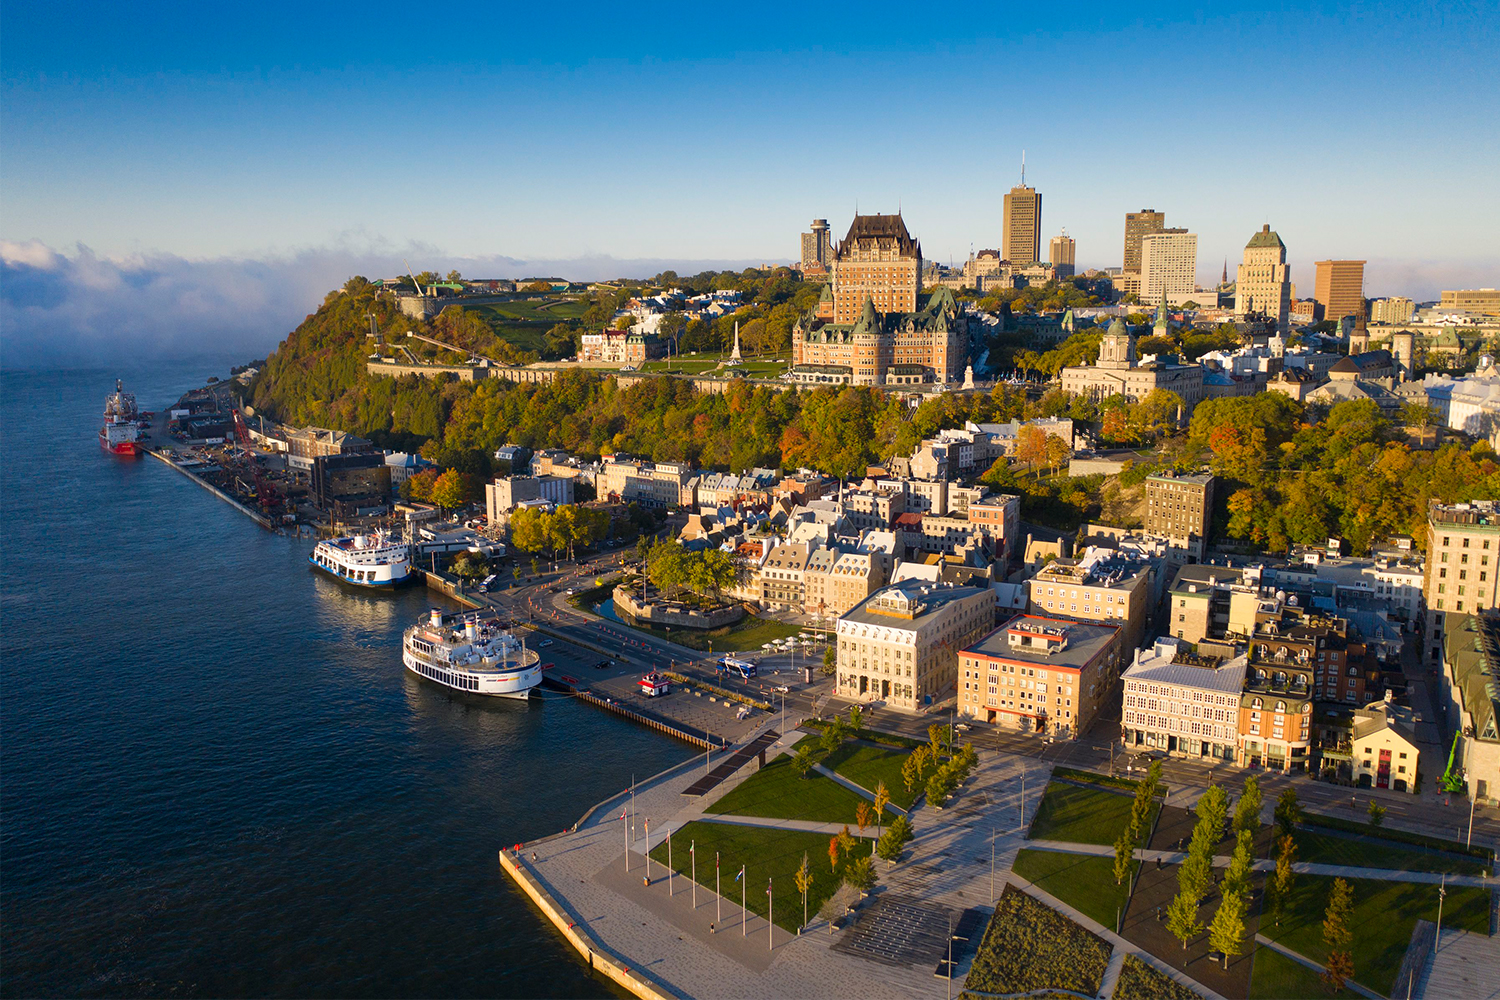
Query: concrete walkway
[
  {"x": 856, "y": 789},
  {"x": 1266, "y": 942},
  {"x": 1266, "y": 865}
]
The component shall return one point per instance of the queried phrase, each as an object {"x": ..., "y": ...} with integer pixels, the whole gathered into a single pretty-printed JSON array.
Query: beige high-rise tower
[
  {"x": 1169, "y": 265},
  {"x": 1062, "y": 252},
  {"x": 1263, "y": 283},
  {"x": 1023, "y": 223}
]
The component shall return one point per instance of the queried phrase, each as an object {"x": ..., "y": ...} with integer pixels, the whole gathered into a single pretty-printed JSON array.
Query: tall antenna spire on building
[{"x": 1023, "y": 168}]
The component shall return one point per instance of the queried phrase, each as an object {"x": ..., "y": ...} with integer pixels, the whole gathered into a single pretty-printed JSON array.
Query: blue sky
[{"x": 543, "y": 132}]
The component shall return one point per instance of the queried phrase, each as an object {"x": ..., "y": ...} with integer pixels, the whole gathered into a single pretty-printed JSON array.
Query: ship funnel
[
  {"x": 436, "y": 617},
  {"x": 471, "y": 630}
]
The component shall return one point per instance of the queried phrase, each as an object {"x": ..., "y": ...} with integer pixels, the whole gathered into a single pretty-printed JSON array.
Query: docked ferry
[
  {"x": 119, "y": 434},
  {"x": 466, "y": 653},
  {"x": 364, "y": 560}
]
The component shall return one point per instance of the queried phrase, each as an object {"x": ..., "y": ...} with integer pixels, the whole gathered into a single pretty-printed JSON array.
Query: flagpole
[
  {"x": 718, "y": 899},
  {"x": 693, "y": 854},
  {"x": 669, "y": 861},
  {"x": 770, "y": 905},
  {"x": 626, "y": 825},
  {"x": 648, "y": 848},
  {"x": 743, "y": 909}
]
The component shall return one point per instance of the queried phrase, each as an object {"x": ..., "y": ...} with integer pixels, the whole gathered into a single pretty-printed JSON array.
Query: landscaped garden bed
[
  {"x": 1030, "y": 946},
  {"x": 1139, "y": 981}
]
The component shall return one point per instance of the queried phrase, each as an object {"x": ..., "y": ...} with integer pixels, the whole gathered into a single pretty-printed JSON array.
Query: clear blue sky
[{"x": 696, "y": 132}]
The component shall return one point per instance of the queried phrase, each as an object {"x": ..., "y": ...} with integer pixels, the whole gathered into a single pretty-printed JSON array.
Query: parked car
[{"x": 544, "y": 644}]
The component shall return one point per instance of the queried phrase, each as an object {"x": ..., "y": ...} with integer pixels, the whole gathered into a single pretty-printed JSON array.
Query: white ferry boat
[
  {"x": 471, "y": 655},
  {"x": 364, "y": 560}
]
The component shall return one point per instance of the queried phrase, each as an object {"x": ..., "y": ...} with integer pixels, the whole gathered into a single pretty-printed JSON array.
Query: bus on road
[{"x": 744, "y": 668}]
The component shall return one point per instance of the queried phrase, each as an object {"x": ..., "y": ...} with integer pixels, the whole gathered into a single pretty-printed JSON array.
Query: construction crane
[{"x": 240, "y": 430}]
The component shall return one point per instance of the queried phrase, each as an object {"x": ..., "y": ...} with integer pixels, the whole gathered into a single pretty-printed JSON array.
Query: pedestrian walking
[{"x": 711, "y": 929}]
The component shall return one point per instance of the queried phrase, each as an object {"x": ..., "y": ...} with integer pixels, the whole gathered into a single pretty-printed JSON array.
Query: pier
[{"x": 164, "y": 455}]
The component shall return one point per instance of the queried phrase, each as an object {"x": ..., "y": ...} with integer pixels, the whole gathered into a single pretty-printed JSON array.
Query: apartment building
[
  {"x": 1180, "y": 508},
  {"x": 1324, "y": 645},
  {"x": 1206, "y": 601},
  {"x": 900, "y": 645},
  {"x": 650, "y": 484},
  {"x": 1463, "y": 544},
  {"x": 1103, "y": 585},
  {"x": 1339, "y": 286},
  {"x": 998, "y": 518},
  {"x": 875, "y": 509},
  {"x": 782, "y": 584},
  {"x": 817, "y": 578},
  {"x": 1276, "y": 705},
  {"x": 1185, "y": 704},
  {"x": 1040, "y": 674}
]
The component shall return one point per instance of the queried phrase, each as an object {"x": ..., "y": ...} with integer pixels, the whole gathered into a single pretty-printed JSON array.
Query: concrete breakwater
[
  {"x": 578, "y": 935},
  {"x": 259, "y": 519}
]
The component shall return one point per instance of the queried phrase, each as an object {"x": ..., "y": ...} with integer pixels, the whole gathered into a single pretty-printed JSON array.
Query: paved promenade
[
  {"x": 662, "y": 930},
  {"x": 664, "y": 936}
]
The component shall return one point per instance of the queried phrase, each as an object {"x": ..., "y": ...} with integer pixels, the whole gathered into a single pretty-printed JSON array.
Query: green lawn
[
  {"x": 766, "y": 853},
  {"x": 867, "y": 766},
  {"x": 1082, "y": 881},
  {"x": 1082, "y": 815},
  {"x": 683, "y": 366},
  {"x": 777, "y": 791},
  {"x": 1030, "y": 946},
  {"x": 1139, "y": 981},
  {"x": 1384, "y": 915},
  {"x": 1276, "y": 977},
  {"x": 1328, "y": 849}
]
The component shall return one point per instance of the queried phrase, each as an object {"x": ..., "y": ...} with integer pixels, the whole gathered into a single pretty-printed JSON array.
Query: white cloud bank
[{"x": 78, "y": 308}]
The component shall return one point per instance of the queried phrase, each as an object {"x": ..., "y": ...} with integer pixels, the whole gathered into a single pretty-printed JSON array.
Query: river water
[{"x": 216, "y": 779}]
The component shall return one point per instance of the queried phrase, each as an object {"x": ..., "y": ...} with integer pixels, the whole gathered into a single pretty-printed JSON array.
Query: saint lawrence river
[{"x": 217, "y": 778}]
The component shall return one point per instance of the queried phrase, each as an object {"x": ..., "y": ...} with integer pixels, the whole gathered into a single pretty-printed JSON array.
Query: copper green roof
[{"x": 1265, "y": 238}]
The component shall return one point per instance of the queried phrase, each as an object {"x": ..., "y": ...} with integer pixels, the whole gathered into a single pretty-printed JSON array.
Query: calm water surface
[{"x": 215, "y": 777}]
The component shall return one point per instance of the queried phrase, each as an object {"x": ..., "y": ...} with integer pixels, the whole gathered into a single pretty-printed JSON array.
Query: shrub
[
  {"x": 1139, "y": 981},
  {"x": 894, "y": 839},
  {"x": 860, "y": 873}
]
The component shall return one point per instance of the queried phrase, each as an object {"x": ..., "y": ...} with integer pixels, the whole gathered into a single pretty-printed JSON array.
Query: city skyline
[{"x": 218, "y": 143}]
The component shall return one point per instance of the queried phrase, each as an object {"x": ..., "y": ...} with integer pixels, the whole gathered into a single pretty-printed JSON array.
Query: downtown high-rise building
[
  {"x": 1339, "y": 287},
  {"x": 1394, "y": 309},
  {"x": 1023, "y": 225},
  {"x": 817, "y": 253},
  {"x": 1263, "y": 283},
  {"x": 1062, "y": 253},
  {"x": 1138, "y": 225},
  {"x": 1169, "y": 267}
]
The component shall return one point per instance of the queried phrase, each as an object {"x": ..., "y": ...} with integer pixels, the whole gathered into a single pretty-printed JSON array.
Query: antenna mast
[{"x": 1023, "y": 168}]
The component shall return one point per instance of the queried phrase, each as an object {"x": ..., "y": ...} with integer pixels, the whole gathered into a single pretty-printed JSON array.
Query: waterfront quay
[{"x": 659, "y": 928}]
